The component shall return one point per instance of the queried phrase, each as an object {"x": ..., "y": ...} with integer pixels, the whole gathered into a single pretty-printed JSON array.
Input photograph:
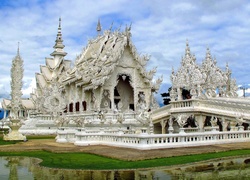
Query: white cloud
[
  {"x": 29, "y": 87},
  {"x": 159, "y": 28}
]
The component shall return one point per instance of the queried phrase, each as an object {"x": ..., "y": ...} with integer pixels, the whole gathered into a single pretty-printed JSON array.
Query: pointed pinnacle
[
  {"x": 111, "y": 26},
  {"x": 99, "y": 27},
  {"x": 130, "y": 26},
  {"x": 18, "y": 47},
  {"x": 60, "y": 22},
  {"x": 187, "y": 52},
  {"x": 59, "y": 26}
]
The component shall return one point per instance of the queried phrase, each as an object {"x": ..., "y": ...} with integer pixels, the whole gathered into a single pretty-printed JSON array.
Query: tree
[{"x": 166, "y": 97}]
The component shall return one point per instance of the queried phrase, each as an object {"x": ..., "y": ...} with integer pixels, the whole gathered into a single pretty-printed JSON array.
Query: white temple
[{"x": 107, "y": 97}]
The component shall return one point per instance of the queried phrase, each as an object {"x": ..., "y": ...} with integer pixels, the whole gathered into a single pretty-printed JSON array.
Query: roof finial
[
  {"x": 187, "y": 51},
  {"x": 111, "y": 26},
  {"x": 59, "y": 26},
  {"x": 18, "y": 47},
  {"x": 98, "y": 27},
  {"x": 119, "y": 27},
  {"x": 130, "y": 26},
  {"x": 208, "y": 54},
  {"x": 208, "y": 50},
  {"x": 215, "y": 61},
  {"x": 60, "y": 21},
  {"x": 59, "y": 42},
  {"x": 187, "y": 44}
]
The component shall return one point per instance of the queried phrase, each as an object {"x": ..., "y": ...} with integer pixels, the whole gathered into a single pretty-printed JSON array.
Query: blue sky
[{"x": 159, "y": 28}]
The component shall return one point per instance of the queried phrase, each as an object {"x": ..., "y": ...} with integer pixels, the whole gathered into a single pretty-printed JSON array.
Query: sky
[{"x": 160, "y": 28}]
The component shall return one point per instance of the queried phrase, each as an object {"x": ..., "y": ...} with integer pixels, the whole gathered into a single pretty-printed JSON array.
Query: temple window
[
  {"x": 186, "y": 94},
  {"x": 84, "y": 104},
  {"x": 71, "y": 107},
  {"x": 77, "y": 106},
  {"x": 116, "y": 97}
]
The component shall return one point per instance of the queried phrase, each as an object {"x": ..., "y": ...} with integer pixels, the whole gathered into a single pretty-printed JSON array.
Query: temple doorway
[{"x": 124, "y": 94}]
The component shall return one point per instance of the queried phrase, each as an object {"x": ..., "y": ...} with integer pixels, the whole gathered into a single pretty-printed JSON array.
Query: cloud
[
  {"x": 3, "y": 93},
  {"x": 28, "y": 86},
  {"x": 159, "y": 28}
]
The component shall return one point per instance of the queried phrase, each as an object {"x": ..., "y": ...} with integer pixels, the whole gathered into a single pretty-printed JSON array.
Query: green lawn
[
  {"x": 2, "y": 142},
  {"x": 41, "y": 137},
  {"x": 90, "y": 161}
]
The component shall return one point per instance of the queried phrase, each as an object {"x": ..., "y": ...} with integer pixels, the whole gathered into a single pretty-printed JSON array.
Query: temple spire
[
  {"x": 209, "y": 60},
  {"x": 208, "y": 54},
  {"x": 187, "y": 50},
  {"x": 130, "y": 26},
  {"x": 111, "y": 26},
  {"x": 59, "y": 27},
  {"x": 16, "y": 84},
  {"x": 18, "y": 53},
  {"x": 215, "y": 61},
  {"x": 59, "y": 43},
  {"x": 98, "y": 27}
]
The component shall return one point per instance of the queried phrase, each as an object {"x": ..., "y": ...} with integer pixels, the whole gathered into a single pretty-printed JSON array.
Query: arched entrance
[{"x": 124, "y": 94}]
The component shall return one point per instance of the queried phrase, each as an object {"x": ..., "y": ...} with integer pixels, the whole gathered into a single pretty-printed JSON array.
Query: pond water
[{"x": 24, "y": 168}]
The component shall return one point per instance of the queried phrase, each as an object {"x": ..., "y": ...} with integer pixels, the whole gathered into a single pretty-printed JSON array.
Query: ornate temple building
[
  {"x": 107, "y": 75},
  {"x": 108, "y": 79},
  {"x": 197, "y": 92},
  {"x": 107, "y": 97}
]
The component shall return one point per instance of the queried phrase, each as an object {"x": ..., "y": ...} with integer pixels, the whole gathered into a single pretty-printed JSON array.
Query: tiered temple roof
[
  {"x": 54, "y": 67},
  {"x": 101, "y": 56}
]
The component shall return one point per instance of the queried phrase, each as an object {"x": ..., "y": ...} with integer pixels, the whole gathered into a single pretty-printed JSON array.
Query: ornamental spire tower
[
  {"x": 59, "y": 51},
  {"x": 16, "y": 101},
  {"x": 16, "y": 84}
]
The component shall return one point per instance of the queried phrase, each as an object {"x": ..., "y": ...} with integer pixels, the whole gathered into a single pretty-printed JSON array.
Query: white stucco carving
[
  {"x": 16, "y": 108},
  {"x": 202, "y": 80}
]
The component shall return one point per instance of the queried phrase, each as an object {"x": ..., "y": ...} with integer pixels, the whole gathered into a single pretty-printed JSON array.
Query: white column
[
  {"x": 200, "y": 120},
  {"x": 179, "y": 93},
  {"x": 82, "y": 99},
  {"x": 224, "y": 124},
  {"x": 163, "y": 126},
  {"x": 111, "y": 91},
  {"x": 170, "y": 125},
  {"x": 74, "y": 107}
]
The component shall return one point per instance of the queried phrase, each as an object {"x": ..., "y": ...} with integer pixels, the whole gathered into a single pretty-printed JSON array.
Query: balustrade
[
  {"x": 182, "y": 104},
  {"x": 191, "y": 130},
  {"x": 145, "y": 141},
  {"x": 93, "y": 118},
  {"x": 221, "y": 106}
]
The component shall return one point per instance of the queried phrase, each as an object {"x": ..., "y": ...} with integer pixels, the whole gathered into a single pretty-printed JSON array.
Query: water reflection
[{"x": 16, "y": 168}]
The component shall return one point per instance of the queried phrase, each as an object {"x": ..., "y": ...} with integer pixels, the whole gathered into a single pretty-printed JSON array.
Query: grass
[
  {"x": 2, "y": 142},
  {"x": 95, "y": 162},
  {"x": 40, "y": 137}
]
